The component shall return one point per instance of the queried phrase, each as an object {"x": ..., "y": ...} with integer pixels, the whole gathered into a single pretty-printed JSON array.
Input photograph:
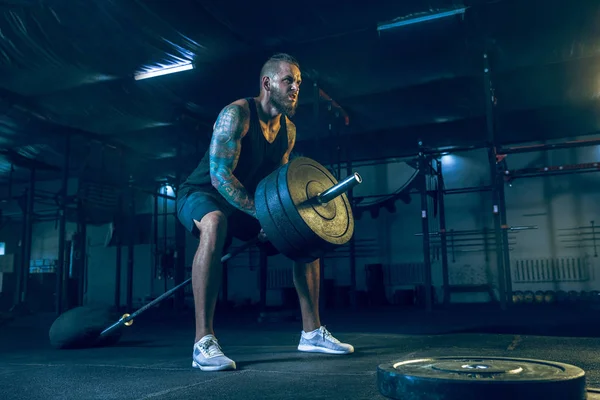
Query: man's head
[{"x": 280, "y": 81}]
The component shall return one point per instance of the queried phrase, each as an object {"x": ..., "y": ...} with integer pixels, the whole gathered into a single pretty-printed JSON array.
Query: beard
[{"x": 283, "y": 104}]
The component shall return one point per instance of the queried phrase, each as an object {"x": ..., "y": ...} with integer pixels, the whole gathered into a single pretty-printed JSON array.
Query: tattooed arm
[
  {"x": 225, "y": 147},
  {"x": 291, "y": 132}
]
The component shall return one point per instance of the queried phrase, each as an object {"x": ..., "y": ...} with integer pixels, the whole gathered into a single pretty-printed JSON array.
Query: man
[{"x": 251, "y": 138}]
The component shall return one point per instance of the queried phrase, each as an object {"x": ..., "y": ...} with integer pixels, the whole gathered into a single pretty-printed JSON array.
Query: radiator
[
  {"x": 569, "y": 269},
  {"x": 278, "y": 278},
  {"x": 405, "y": 273}
]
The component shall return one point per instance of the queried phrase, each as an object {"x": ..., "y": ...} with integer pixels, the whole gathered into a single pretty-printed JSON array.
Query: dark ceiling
[{"x": 67, "y": 66}]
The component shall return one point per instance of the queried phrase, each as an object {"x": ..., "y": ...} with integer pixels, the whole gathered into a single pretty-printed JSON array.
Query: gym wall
[
  {"x": 44, "y": 246},
  {"x": 554, "y": 204}
]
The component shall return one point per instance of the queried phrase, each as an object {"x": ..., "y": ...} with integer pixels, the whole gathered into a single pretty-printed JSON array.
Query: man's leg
[
  {"x": 315, "y": 338},
  {"x": 307, "y": 283},
  {"x": 202, "y": 215},
  {"x": 207, "y": 270}
]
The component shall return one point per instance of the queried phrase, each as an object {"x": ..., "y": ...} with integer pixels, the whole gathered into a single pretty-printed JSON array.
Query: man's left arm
[{"x": 291, "y": 133}]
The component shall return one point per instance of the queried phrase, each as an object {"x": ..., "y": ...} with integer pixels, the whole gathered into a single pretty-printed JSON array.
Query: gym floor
[{"x": 153, "y": 358}]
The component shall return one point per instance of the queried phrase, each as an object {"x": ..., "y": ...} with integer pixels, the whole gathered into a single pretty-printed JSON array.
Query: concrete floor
[{"x": 153, "y": 358}]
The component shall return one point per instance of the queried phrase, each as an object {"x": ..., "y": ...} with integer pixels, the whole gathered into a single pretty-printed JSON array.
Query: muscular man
[{"x": 251, "y": 138}]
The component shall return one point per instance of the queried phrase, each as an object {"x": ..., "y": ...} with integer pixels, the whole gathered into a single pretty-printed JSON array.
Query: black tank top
[{"x": 258, "y": 158}]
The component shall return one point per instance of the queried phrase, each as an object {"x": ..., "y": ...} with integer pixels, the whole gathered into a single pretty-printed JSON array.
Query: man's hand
[{"x": 225, "y": 147}]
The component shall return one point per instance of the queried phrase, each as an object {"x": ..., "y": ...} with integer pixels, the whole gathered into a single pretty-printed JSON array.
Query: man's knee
[
  {"x": 212, "y": 224},
  {"x": 313, "y": 264}
]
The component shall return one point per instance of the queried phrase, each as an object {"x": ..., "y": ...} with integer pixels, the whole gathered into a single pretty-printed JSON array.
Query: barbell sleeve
[
  {"x": 127, "y": 319},
  {"x": 339, "y": 188}
]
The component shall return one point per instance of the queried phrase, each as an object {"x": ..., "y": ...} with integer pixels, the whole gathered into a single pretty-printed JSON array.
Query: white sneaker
[
  {"x": 208, "y": 355},
  {"x": 322, "y": 341}
]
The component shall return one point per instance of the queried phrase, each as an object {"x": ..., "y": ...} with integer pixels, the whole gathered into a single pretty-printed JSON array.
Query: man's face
[{"x": 285, "y": 88}]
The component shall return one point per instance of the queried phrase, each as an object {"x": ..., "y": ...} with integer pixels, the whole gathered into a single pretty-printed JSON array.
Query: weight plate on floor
[
  {"x": 80, "y": 327},
  {"x": 462, "y": 378},
  {"x": 299, "y": 228}
]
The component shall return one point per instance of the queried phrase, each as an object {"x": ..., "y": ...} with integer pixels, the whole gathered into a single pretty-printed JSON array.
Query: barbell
[{"x": 304, "y": 212}]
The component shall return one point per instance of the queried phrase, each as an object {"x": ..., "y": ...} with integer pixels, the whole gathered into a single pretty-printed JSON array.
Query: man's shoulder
[
  {"x": 291, "y": 129},
  {"x": 290, "y": 124},
  {"x": 236, "y": 113},
  {"x": 239, "y": 106}
]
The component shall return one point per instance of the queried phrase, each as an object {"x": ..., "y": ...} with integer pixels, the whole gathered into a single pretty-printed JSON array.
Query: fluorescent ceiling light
[
  {"x": 163, "y": 71},
  {"x": 424, "y": 18}
]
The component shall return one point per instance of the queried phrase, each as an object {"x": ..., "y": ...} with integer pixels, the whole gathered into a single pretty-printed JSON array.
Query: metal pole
[
  {"x": 179, "y": 274},
  {"x": 423, "y": 166},
  {"x": 22, "y": 275},
  {"x": 81, "y": 251},
  {"x": 444, "y": 239},
  {"x": 352, "y": 244},
  {"x": 22, "y": 259},
  {"x": 62, "y": 230},
  {"x": 489, "y": 98},
  {"x": 121, "y": 229},
  {"x": 131, "y": 229},
  {"x": 317, "y": 138},
  {"x": 119, "y": 263},
  {"x": 339, "y": 188},
  {"x": 129, "y": 317},
  {"x": 29, "y": 233},
  {"x": 338, "y": 133},
  {"x": 263, "y": 270},
  {"x": 551, "y": 146},
  {"x": 316, "y": 114},
  {"x": 167, "y": 268},
  {"x": 155, "y": 251},
  {"x": 316, "y": 109},
  {"x": 505, "y": 243},
  {"x": 225, "y": 284}
]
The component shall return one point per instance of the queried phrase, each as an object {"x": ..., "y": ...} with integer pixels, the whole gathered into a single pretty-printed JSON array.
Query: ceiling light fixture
[
  {"x": 429, "y": 17},
  {"x": 154, "y": 72}
]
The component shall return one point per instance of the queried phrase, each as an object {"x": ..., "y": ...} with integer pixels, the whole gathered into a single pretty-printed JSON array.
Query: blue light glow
[
  {"x": 417, "y": 20},
  {"x": 153, "y": 72}
]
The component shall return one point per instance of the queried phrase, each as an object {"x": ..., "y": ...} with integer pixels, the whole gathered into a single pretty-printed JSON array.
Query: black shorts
[{"x": 195, "y": 205}]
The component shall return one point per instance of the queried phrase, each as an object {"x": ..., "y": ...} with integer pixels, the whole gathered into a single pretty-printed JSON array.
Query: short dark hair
[{"x": 271, "y": 66}]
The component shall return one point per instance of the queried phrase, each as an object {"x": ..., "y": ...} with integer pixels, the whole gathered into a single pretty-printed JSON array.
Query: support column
[
  {"x": 131, "y": 229},
  {"x": 81, "y": 254},
  {"x": 262, "y": 276},
  {"x": 62, "y": 231},
  {"x": 121, "y": 227},
  {"x": 490, "y": 100},
  {"x": 29, "y": 232},
  {"x": 157, "y": 272},
  {"x": 119, "y": 251},
  {"x": 422, "y": 184},
  {"x": 444, "y": 239},
  {"x": 316, "y": 116},
  {"x": 225, "y": 285},
  {"x": 179, "y": 273},
  {"x": 503, "y": 221},
  {"x": 22, "y": 273},
  {"x": 317, "y": 129}
]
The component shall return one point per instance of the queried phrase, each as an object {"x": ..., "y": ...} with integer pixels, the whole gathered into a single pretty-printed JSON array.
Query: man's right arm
[{"x": 225, "y": 147}]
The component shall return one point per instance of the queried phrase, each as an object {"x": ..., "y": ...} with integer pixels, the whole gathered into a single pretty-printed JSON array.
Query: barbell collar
[{"x": 339, "y": 188}]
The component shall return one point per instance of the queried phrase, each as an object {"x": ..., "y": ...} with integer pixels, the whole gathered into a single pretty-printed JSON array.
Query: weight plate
[
  {"x": 80, "y": 327},
  {"x": 462, "y": 378},
  {"x": 273, "y": 220},
  {"x": 331, "y": 222},
  {"x": 294, "y": 223}
]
